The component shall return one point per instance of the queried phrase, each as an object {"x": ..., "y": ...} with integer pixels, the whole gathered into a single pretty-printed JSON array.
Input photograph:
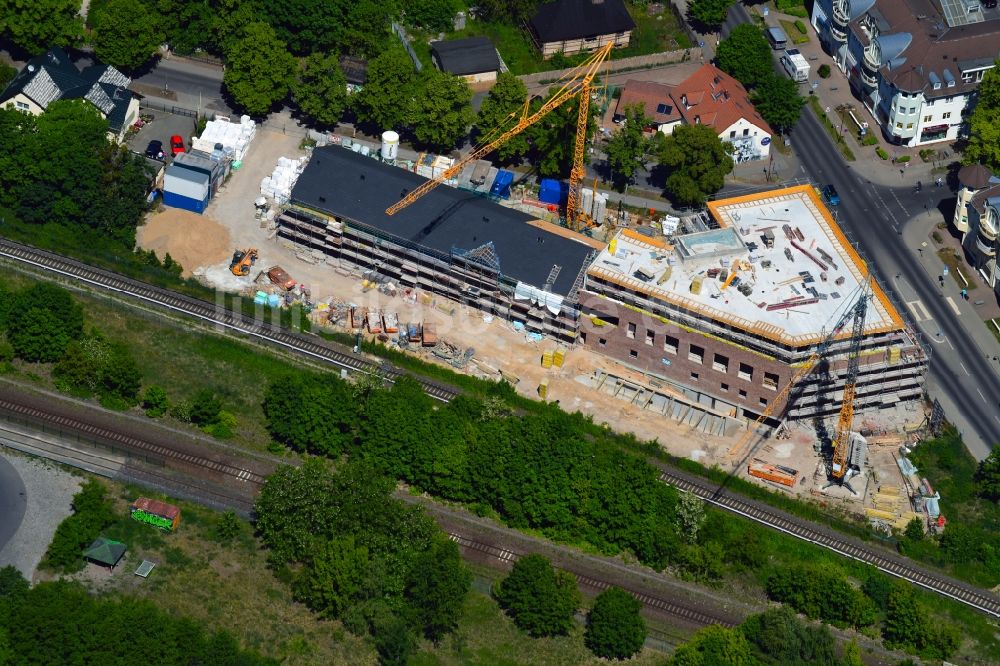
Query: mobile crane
[{"x": 577, "y": 83}]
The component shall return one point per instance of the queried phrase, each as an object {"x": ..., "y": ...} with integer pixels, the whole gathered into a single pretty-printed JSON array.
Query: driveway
[
  {"x": 13, "y": 501},
  {"x": 164, "y": 126}
]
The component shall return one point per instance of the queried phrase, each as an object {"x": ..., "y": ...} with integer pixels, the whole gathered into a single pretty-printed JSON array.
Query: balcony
[{"x": 985, "y": 246}]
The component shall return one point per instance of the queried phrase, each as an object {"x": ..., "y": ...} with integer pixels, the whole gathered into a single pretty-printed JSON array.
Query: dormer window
[
  {"x": 697, "y": 120},
  {"x": 684, "y": 101}
]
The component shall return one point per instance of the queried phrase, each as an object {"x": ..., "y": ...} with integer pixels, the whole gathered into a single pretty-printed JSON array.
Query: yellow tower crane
[
  {"x": 841, "y": 441},
  {"x": 577, "y": 82}
]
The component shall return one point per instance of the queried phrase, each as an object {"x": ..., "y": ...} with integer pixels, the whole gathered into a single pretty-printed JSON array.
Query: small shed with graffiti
[{"x": 159, "y": 514}]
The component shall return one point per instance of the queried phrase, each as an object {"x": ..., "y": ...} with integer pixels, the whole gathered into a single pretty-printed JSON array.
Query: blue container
[
  {"x": 501, "y": 185},
  {"x": 553, "y": 191},
  {"x": 274, "y": 300},
  {"x": 186, "y": 203}
]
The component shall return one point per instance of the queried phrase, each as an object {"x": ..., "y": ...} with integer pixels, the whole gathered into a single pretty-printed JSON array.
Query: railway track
[
  {"x": 238, "y": 322},
  {"x": 209, "y": 312},
  {"x": 688, "y": 613},
  {"x": 895, "y": 566}
]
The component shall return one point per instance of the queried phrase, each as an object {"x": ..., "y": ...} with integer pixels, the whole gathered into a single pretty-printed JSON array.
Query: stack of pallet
[{"x": 780, "y": 474}]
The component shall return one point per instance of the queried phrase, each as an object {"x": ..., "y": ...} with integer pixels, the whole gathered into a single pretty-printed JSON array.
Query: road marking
[
  {"x": 966, "y": 371},
  {"x": 983, "y": 397},
  {"x": 953, "y": 305},
  {"x": 923, "y": 314}
]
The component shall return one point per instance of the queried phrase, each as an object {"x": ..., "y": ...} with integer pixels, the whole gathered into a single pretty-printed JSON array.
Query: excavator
[{"x": 242, "y": 261}]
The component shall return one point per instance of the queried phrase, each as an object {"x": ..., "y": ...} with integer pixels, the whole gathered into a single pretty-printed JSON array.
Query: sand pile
[{"x": 192, "y": 240}]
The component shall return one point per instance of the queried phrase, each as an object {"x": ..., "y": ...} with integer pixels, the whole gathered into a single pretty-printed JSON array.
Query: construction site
[{"x": 751, "y": 335}]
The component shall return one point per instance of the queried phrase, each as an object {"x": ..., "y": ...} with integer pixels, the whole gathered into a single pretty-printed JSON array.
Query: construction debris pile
[{"x": 924, "y": 500}]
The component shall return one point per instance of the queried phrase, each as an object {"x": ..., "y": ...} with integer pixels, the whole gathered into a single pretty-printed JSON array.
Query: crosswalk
[{"x": 919, "y": 310}]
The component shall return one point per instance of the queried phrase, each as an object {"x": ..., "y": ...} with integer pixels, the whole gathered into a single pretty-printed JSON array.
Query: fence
[{"x": 147, "y": 103}]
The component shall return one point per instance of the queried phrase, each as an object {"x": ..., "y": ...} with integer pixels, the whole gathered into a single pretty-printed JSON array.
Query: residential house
[
  {"x": 914, "y": 64},
  {"x": 712, "y": 97},
  {"x": 656, "y": 102},
  {"x": 573, "y": 26},
  {"x": 475, "y": 59},
  {"x": 977, "y": 218},
  {"x": 53, "y": 76}
]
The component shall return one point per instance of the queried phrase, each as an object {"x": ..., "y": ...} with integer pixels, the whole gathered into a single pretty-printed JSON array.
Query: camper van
[{"x": 796, "y": 65}]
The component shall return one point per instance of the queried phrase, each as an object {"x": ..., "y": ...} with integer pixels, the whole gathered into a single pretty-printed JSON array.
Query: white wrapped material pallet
[{"x": 234, "y": 137}]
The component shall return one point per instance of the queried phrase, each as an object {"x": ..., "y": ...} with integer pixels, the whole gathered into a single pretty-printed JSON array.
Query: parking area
[{"x": 164, "y": 125}]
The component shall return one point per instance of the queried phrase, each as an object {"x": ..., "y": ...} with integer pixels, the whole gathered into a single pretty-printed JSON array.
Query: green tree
[
  {"x": 553, "y": 137},
  {"x": 500, "y": 111},
  {"x": 984, "y": 123},
  {"x": 709, "y": 13},
  {"x": 335, "y": 577},
  {"x": 442, "y": 113},
  {"x": 321, "y": 89},
  {"x": 12, "y": 583},
  {"x": 778, "y": 101},
  {"x": 43, "y": 320},
  {"x": 437, "y": 585},
  {"x": 228, "y": 527},
  {"x": 903, "y": 618},
  {"x": 852, "y": 654},
  {"x": 92, "y": 512},
  {"x": 512, "y": 12},
  {"x": 988, "y": 476},
  {"x": 229, "y": 20},
  {"x": 433, "y": 15},
  {"x": 714, "y": 645},
  {"x": 777, "y": 636},
  {"x": 395, "y": 642},
  {"x": 7, "y": 74},
  {"x": 307, "y": 412},
  {"x": 391, "y": 85},
  {"x": 126, "y": 33},
  {"x": 690, "y": 516},
  {"x": 746, "y": 56},
  {"x": 36, "y": 25},
  {"x": 615, "y": 630},
  {"x": 540, "y": 600},
  {"x": 698, "y": 162},
  {"x": 259, "y": 70},
  {"x": 914, "y": 529},
  {"x": 155, "y": 401},
  {"x": 628, "y": 148},
  {"x": 205, "y": 407}
]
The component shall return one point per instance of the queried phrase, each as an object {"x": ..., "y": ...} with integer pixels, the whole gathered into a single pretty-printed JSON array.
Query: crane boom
[
  {"x": 841, "y": 442},
  {"x": 807, "y": 367},
  {"x": 577, "y": 80}
]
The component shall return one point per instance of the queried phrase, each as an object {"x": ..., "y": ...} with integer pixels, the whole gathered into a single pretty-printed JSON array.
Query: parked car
[
  {"x": 830, "y": 195},
  {"x": 155, "y": 149},
  {"x": 176, "y": 145}
]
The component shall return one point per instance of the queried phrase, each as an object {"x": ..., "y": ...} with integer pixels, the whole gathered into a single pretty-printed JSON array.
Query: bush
[
  {"x": 927, "y": 154},
  {"x": 823, "y": 71},
  {"x": 801, "y": 27},
  {"x": 43, "y": 319},
  {"x": 902, "y": 159},
  {"x": 881, "y": 153},
  {"x": 205, "y": 408},
  {"x": 92, "y": 513},
  {"x": 155, "y": 402},
  {"x": 869, "y": 140}
]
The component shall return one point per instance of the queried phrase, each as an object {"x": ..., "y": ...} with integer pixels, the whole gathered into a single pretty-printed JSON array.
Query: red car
[{"x": 176, "y": 145}]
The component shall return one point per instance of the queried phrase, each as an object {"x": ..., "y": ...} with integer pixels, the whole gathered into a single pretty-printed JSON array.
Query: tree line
[
  {"x": 560, "y": 474},
  {"x": 60, "y": 623}
]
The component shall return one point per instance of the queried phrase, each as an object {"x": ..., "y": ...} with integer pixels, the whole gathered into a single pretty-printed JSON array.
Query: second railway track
[{"x": 981, "y": 600}]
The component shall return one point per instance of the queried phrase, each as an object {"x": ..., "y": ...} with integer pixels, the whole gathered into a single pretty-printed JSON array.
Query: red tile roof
[
  {"x": 652, "y": 96},
  {"x": 716, "y": 99},
  {"x": 157, "y": 508}
]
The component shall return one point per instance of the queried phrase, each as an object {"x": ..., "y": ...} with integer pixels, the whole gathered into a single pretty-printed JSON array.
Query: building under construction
[
  {"x": 724, "y": 316},
  {"x": 727, "y": 315},
  {"x": 450, "y": 242}
]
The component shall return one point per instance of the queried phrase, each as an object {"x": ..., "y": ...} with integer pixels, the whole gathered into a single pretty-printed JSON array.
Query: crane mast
[
  {"x": 577, "y": 83},
  {"x": 576, "y": 174},
  {"x": 841, "y": 442}
]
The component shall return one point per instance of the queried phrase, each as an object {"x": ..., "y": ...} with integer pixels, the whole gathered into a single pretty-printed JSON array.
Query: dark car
[
  {"x": 155, "y": 149},
  {"x": 176, "y": 145},
  {"x": 831, "y": 196}
]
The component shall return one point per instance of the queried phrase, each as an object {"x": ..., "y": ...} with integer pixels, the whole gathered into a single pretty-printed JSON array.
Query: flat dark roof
[{"x": 348, "y": 185}]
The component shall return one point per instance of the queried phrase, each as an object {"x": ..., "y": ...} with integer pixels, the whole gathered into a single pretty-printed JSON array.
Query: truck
[
  {"x": 795, "y": 65},
  {"x": 280, "y": 277}
]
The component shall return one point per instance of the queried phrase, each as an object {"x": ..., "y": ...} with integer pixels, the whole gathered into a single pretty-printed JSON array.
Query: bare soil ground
[{"x": 192, "y": 240}]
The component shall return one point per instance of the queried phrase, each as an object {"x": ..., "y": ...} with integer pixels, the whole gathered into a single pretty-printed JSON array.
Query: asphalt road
[
  {"x": 875, "y": 216},
  {"x": 189, "y": 80},
  {"x": 13, "y": 501}
]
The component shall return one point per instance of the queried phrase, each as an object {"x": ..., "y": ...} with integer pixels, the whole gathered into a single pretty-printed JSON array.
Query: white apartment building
[{"x": 914, "y": 64}]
